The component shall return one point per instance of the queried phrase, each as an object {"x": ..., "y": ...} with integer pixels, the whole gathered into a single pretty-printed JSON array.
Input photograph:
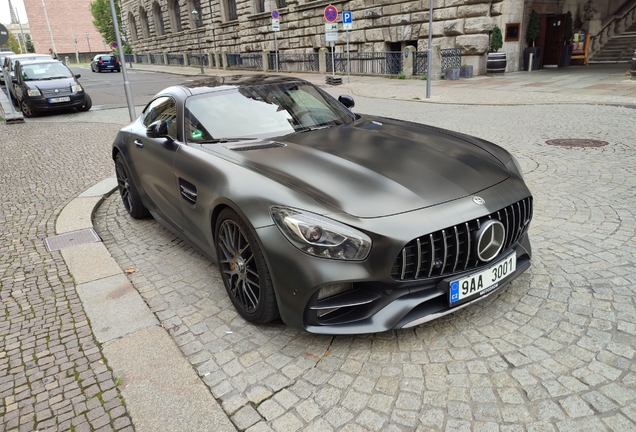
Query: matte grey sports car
[{"x": 336, "y": 222}]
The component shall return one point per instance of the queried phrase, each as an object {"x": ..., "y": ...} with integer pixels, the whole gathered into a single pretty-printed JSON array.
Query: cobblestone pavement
[
  {"x": 553, "y": 351},
  {"x": 53, "y": 376}
]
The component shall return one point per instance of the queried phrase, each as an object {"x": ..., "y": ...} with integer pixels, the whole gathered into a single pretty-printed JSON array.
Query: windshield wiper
[
  {"x": 55, "y": 77},
  {"x": 224, "y": 140},
  {"x": 314, "y": 128}
]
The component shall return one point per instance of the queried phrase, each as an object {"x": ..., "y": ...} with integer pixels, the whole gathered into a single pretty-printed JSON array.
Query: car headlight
[
  {"x": 34, "y": 92},
  {"x": 514, "y": 166},
  {"x": 76, "y": 88},
  {"x": 320, "y": 236}
]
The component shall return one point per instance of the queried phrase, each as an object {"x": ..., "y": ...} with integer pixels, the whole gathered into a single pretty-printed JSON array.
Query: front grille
[
  {"x": 60, "y": 92},
  {"x": 450, "y": 250}
]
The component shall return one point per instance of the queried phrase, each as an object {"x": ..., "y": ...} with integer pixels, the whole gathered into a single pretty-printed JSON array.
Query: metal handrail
[{"x": 613, "y": 21}]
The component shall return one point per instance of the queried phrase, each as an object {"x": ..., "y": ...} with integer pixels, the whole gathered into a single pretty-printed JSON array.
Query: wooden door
[{"x": 555, "y": 28}]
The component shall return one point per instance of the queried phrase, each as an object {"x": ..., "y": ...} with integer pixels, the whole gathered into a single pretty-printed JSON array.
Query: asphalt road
[{"x": 107, "y": 88}]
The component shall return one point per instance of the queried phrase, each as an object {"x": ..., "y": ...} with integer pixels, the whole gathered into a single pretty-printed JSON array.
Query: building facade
[
  {"x": 244, "y": 26},
  {"x": 71, "y": 24}
]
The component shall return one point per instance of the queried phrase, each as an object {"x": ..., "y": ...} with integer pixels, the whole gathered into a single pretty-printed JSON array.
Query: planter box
[
  {"x": 536, "y": 58},
  {"x": 496, "y": 63},
  {"x": 451, "y": 74},
  {"x": 466, "y": 71},
  {"x": 566, "y": 55}
]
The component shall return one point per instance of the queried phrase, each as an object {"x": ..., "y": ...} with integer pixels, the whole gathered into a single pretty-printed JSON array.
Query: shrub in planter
[
  {"x": 496, "y": 63},
  {"x": 451, "y": 74},
  {"x": 532, "y": 33},
  {"x": 566, "y": 49},
  {"x": 466, "y": 71}
]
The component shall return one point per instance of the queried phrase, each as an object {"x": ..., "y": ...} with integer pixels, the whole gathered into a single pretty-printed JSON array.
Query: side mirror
[
  {"x": 78, "y": 75},
  {"x": 347, "y": 101},
  {"x": 158, "y": 129},
  {"x": 14, "y": 80}
]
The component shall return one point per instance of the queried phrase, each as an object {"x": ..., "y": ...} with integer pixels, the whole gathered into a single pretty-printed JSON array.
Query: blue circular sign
[
  {"x": 275, "y": 14},
  {"x": 331, "y": 13}
]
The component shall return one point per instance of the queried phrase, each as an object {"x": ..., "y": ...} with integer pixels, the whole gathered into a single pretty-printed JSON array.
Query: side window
[{"x": 162, "y": 108}]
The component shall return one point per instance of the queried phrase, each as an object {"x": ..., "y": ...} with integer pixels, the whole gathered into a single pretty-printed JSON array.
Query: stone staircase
[{"x": 619, "y": 49}]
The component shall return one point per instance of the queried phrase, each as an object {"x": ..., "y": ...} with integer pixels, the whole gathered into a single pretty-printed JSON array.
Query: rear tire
[
  {"x": 243, "y": 269},
  {"x": 128, "y": 191}
]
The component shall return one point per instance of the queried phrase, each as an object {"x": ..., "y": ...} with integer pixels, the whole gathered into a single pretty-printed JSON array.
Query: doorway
[{"x": 555, "y": 28}]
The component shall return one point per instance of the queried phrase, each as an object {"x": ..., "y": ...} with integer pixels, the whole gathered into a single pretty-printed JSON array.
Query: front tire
[
  {"x": 243, "y": 269},
  {"x": 26, "y": 109},
  {"x": 128, "y": 191},
  {"x": 88, "y": 103}
]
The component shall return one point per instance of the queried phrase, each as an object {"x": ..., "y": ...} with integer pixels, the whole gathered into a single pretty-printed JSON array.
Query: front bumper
[
  {"x": 42, "y": 104},
  {"x": 376, "y": 301}
]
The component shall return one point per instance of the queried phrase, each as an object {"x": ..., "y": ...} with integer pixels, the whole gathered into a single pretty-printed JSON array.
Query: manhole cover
[
  {"x": 71, "y": 239},
  {"x": 576, "y": 143}
]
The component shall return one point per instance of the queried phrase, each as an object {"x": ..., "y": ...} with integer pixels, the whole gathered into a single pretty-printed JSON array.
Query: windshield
[
  {"x": 262, "y": 110},
  {"x": 43, "y": 71}
]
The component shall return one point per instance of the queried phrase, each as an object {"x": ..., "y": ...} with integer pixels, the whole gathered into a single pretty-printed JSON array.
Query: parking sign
[{"x": 347, "y": 20}]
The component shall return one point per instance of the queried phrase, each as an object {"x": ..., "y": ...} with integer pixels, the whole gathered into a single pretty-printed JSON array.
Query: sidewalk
[{"x": 594, "y": 84}]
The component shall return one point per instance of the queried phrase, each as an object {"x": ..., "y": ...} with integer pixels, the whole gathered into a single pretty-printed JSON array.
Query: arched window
[
  {"x": 143, "y": 20},
  {"x": 157, "y": 16},
  {"x": 175, "y": 16},
  {"x": 132, "y": 24}
]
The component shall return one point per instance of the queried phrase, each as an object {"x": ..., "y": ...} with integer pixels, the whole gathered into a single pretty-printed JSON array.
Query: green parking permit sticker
[{"x": 196, "y": 134}]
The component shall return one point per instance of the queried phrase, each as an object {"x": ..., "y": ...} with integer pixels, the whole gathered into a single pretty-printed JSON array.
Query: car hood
[
  {"x": 375, "y": 166},
  {"x": 60, "y": 83}
]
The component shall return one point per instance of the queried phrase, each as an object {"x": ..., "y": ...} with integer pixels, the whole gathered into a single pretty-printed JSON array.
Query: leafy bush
[
  {"x": 534, "y": 27},
  {"x": 496, "y": 39}
]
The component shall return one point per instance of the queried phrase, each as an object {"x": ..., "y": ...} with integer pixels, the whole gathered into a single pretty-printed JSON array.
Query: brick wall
[{"x": 64, "y": 15}]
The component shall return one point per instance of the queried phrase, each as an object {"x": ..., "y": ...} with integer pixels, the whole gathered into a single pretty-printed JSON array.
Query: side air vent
[{"x": 248, "y": 147}]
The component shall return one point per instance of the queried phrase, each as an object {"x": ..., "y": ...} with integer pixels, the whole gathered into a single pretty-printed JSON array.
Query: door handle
[{"x": 138, "y": 143}]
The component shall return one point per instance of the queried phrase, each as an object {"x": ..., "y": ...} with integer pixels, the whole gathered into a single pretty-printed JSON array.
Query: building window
[
  {"x": 231, "y": 10},
  {"x": 281, "y": 3},
  {"x": 260, "y": 6},
  {"x": 175, "y": 16},
  {"x": 133, "y": 26},
  {"x": 143, "y": 19},
  {"x": 157, "y": 15}
]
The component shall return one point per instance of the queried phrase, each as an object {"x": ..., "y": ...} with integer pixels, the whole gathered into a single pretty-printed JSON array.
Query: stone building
[
  {"x": 71, "y": 24},
  {"x": 242, "y": 26}
]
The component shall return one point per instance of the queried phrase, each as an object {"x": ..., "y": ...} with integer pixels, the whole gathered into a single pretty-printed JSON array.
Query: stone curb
[{"x": 161, "y": 390}]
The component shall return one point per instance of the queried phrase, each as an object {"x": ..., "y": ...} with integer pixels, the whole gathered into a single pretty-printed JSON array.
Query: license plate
[
  {"x": 482, "y": 282},
  {"x": 60, "y": 99},
  {"x": 110, "y": 67}
]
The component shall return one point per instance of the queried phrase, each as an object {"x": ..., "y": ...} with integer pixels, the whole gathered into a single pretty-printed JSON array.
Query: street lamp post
[
  {"x": 195, "y": 14},
  {"x": 48, "y": 24},
  {"x": 90, "y": 52}
]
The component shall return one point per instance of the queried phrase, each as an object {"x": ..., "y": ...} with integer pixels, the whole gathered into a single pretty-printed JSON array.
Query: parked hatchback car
[
  {"x": 105, "y": 62},
  {"x": 48, "y": 85},
  {"x": 338, "y": 223}
]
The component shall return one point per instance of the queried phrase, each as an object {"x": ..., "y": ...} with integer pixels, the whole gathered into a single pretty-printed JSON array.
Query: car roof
[
  {"x": 19, "y": 56},
  {"x": 224, "y": 82},
  {"x": 39, "y": 61}
]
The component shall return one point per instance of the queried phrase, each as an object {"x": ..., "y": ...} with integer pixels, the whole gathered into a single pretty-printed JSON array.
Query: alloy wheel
[
  {"x": 26, "y": 109},
  {"x": 238, "y": 265},
  {"x": 124, "y": 187}
]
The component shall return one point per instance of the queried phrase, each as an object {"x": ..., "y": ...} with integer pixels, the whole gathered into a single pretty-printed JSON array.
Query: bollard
[
  {"x": 67, "y": 61},
  {"x": 530, "y": 62},
  {"x": 634, "y": 66}
]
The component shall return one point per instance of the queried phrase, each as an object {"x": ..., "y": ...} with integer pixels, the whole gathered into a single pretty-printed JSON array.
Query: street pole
[
  {"x": 75, "y": 45},
  {"x": 48, "y": 24},
  {"x": 90, "y": 52},
  {"x": 196, "y": 16},
  {"x": 276, "y": 46},
  {"x": 429, "y": 54},
  {"x": 348, "y": 60},
  {"x": 124, "y": 72},
  {"x": 26, "y": 51},
  {"x": 333, "y": 61}
]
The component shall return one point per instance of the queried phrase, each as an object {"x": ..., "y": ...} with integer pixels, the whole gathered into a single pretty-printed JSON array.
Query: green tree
[
  {"x": 534, "y": 27},
  {"x": 13, "y": 44},
  {"x": 103, "y": 19},
  {"x": 496, "y": 39}
]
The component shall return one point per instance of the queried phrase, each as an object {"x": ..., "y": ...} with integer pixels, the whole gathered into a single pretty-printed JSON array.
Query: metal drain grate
[
  {"x": 71, "y": 239},
  {"x": 571, "y": 142}
]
